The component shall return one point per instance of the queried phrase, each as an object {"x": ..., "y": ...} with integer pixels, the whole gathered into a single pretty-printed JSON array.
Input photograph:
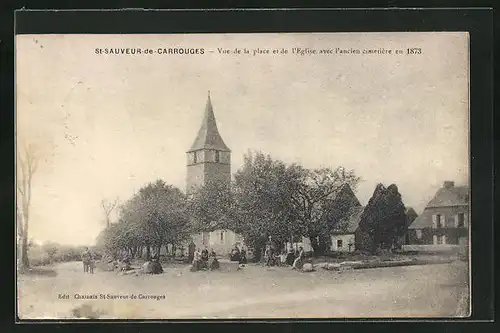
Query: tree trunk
[
  {"x": 24, "y": 250},
  {"x": 314, "y": 244},
  {"x": 24, "y": 242},
  {"x": 257, "y": 254},
  {"x": 148, "y": 252},
  {"x": 158, "y": 249}
]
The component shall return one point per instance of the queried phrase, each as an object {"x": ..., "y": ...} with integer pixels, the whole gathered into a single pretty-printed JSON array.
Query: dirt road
[{"x": 257, "y": 292}]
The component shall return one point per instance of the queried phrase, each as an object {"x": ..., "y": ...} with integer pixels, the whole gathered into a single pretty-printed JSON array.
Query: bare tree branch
[{"x": 27, "y": 161}]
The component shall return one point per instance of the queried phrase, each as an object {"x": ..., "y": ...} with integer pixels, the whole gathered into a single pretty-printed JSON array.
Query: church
[{"x": 209, "y": 160}]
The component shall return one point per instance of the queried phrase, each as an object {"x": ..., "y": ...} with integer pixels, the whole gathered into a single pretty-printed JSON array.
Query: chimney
[{"x": 448, "y": 184}]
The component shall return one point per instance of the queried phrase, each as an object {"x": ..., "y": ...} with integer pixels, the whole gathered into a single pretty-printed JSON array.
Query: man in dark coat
[{"x": 86, "y": 258}]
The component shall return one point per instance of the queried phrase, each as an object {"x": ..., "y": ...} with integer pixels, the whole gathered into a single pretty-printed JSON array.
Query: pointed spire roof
[{"x": 208, "y": 136}]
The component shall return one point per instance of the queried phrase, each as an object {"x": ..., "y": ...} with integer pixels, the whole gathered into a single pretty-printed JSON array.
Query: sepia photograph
[{"x": 242, "y": 176}]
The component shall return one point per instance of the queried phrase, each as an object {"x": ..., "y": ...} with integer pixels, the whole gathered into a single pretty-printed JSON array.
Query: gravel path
[{"x": 257, "y": 292}]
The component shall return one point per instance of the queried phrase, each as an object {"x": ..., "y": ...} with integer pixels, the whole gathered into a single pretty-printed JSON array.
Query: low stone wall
[{"x": 444, "y": 248}]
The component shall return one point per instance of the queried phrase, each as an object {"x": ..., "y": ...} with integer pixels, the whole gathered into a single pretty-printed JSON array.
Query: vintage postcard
[{"x": 229, "y": 176}]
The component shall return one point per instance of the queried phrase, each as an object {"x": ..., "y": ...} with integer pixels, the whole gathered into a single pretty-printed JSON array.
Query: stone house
[
  {"x": 344, "y": 239},
  {"x": 445, "y": 219}
]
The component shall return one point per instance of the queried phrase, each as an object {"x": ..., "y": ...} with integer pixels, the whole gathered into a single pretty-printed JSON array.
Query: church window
[
  {"x": 194, "y": 158},
  {"x": 217, "y": 156},
  {"x": 222, "y": 236}
]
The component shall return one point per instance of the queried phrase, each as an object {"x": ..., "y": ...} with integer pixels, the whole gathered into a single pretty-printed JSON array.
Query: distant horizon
[{"x": 107, "y": 125}]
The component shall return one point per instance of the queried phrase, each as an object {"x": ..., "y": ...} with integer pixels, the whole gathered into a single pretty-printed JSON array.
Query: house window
[
  {"x": 194, "y": 158},
  {"x": 217, "y": 156},
  {"x": 339, "y": 243},
  {"x": 437, "y": 221},
  {"x": 460, "y": 220},
  {"x": 419, "y": 234}
]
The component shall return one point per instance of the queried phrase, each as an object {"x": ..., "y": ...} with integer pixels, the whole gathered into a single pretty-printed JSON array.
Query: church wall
[
  {"x": 217, "y": 172},
  {"x": 221, "y": 246},
  {"x": 195, "y": 176},
  {"x": 222, "y": 241}
]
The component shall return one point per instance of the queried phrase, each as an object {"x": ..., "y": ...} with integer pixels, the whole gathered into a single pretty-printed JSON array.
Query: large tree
[
  {"x": 262, "y": 205},
  {"x": 155, "y": 216},
  {"x": 383, "y": 220},
  {"x": 210, "y": 206},
  {"x": 26, "y": 166},
  {"x": 314, "y": 202}
]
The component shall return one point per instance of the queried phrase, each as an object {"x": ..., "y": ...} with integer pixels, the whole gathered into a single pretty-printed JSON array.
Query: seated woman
[
  {"x": 271, "y": 258},
  {"x": 156, "y": 266},
  {"x": 235, "y": 254},
  {"x": 299, "y": 261},
  {"x": 196, "y": 261},
  {"x": 243, "y": 256},
  {"x": 213, "y": 262}
]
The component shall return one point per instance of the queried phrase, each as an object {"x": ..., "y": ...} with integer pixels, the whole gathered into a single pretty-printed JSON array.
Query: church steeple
[
  {"x": 209, "y": 159},
  {"x": 208, "y": 135}
]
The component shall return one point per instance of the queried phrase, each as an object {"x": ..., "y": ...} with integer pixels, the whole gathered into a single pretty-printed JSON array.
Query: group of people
[
  {"x": 88, "y": 261},
  {"x": 204, "y": 260},
  {"x": 290, "y": 257},
  {"x": 238, "y": 255}
]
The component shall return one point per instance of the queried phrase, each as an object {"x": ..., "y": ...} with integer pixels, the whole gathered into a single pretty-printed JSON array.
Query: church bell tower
[{"x": 209, "y": 159}]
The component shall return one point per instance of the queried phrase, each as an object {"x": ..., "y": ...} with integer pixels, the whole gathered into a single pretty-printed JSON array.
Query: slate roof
[
  {"x": 446, "y": 196},
  {"x": 424, "y": 220},
  {"x": 352, "y": 221},
  {"x": 449, "y": 197},
  {"x": 208, "y": 136}
]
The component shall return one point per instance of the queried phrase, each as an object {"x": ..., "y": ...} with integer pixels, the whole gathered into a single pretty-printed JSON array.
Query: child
[
  {"x": 91, "y": 266},
  {"x": 283, "y": 258}
]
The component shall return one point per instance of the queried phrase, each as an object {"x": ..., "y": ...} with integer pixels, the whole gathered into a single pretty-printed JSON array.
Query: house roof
[
  {"x": 208, "y": 135},
  {"x": 350, "y": 224},
  {"x": 424, "y": 220},
  {"x": 450, "y": 196}
]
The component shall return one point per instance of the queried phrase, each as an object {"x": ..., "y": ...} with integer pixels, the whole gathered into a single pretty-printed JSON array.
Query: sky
[{"x": 105, "y": 125}]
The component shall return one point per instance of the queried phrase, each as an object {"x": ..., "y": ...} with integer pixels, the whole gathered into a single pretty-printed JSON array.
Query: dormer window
[{"x": 217, "y": 156}]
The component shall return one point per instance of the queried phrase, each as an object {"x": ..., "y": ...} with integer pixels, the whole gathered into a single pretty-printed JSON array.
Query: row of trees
[
  {"x": 157, "y": 215},
  {"x": 267, "y": 198}
]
